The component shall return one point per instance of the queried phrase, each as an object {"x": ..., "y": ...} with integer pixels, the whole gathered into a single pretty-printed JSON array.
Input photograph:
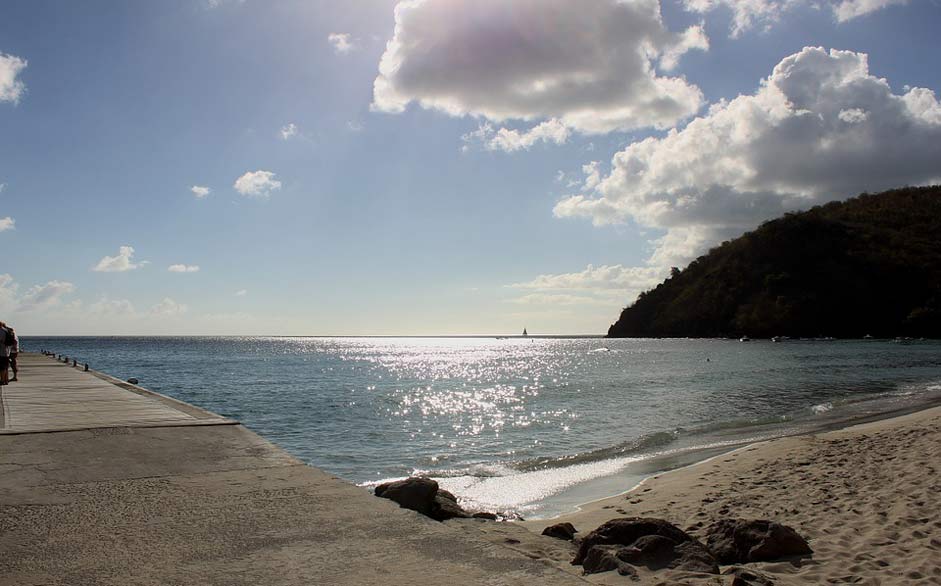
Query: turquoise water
[{"x": 532, "y": 426}]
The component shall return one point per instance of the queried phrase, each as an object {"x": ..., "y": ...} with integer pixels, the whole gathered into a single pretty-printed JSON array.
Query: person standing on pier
[
  {"x": 5, "y": 353},
  {"x": 14, "y": 350}
]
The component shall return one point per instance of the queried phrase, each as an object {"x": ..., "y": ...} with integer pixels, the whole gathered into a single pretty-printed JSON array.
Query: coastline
[{"x": 865, "y": 496}]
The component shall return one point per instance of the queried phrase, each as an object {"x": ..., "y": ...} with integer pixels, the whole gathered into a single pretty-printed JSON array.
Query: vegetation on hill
[{"x": 870, "y": 265}]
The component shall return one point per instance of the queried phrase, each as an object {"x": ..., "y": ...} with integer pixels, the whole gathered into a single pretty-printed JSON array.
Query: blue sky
[{"x": 485, "y": 179}]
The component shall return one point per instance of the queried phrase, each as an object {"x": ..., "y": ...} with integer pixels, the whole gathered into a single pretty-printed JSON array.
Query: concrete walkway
[{"x": 145, "y": 490}]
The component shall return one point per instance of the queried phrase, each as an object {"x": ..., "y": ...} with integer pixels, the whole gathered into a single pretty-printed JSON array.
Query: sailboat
[{"x": 525, "y": 334}]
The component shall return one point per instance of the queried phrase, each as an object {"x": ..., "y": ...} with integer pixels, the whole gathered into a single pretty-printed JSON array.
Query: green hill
[{"x": 868, "y": 265}]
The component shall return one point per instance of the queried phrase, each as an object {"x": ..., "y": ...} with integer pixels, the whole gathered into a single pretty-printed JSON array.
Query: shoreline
[
  {"x": 689, "y": 458},
  {"x": 865, "y": 496}
]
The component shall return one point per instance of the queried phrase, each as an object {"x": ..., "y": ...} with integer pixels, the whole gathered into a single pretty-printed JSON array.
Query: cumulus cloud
[
  {"x": 200, "y": 192},
  {"x": 123, "y": 261},
  {"x": 342, "y": 43},
  {"x": 819, "y": 128},
  {"x": 507, "y": 140},
  {"x": 11, "y": 88},
  {"x": 257, "y": 184},
  {"x": 44, "y": 296},
  {"x": 7, "y": 223},
  {"x": 288, "y": 131},
  {"x": 183, "y": 268},
  {"x": 591, "y": 65},
  {"x": 606, "y": 285},
  {"x": 168, "y": 308},
  {"x": 602, "y": 277},
  {"x": 849, "y": 9},
  {"x": 749, "y": 14}
]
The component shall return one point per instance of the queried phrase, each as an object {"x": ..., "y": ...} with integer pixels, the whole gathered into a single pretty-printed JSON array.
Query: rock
[
  {"x": 423, "y": 495},
  {"x": 564, "y": 531},
  {"x": 445, "y": 508},
  {"x": 133, "y": 381},
  {"x": 625, "y": 532},
  {"x": 604, "y": 558},
  {"x": 652, "y": 543},
  {"x": 653, "y": 551},
  {"x": 485, "y": 515},
  {"x": 417, "y": 494},
  {"x": 747, "y": 577},
  {"x": 735, "y": 541},
  {"x": 693, "y": 556}
]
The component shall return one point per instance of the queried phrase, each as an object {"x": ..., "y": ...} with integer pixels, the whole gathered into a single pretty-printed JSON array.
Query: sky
[{"x": 428, "y": 167}]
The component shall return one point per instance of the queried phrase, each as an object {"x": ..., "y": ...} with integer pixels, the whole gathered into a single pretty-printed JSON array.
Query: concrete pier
[{"x": 102, "y": 482}]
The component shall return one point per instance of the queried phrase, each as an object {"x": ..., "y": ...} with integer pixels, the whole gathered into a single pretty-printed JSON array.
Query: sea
[{"x": 527, "y": 427}]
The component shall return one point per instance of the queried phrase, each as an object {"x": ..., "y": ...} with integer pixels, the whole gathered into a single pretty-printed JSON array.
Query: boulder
[
  {"x": 445, "y": 507},
  {"x": 423, "y": 495},
  {"x": 417, "y": 494},
  {"x": 564, "y": 531},
  {"x": 693, "y": 556},
  {"x": 626, "y": 531},
  {"x": 736, "y": 541},
  {"x": 485, "y": 515},
  {"x": 604, "y": 558},
  {"x": 652, "y": 543}
]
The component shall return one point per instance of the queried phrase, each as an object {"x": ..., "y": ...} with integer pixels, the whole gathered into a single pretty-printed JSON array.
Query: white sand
[{"x": 867, "y": 498}]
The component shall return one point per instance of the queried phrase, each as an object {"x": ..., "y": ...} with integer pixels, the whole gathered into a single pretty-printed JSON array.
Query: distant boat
[
  {"x": 525, "y": 334},
  {"x": 744, "y": 339}
]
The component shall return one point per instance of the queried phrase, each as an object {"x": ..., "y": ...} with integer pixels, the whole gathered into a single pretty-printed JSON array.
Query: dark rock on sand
[
  {"x": 564, "y": 531},
  {"x": 417, "y": 494},
  {"x": 747, "y": 577},
  {"x": 693, "y": 556},
  {"x": 735, "y": 541},
  {"x": 485, "y": 515},
  {"x": 445, "y": 507},
  {"x": 423, "y": 495},
  {"x": 604, "y": 558},
  {"x": 652, "y": 543},
  {"x": 626, "y": 531}
]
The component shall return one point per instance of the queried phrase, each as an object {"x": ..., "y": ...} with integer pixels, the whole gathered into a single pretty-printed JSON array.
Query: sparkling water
[{"x": 529, "y": 425}]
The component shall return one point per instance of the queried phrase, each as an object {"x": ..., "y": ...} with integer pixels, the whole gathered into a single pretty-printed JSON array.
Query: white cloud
[
  {"x": 183, "y": 268},
  {"x": 342, "y": 43},
  {"x": 801, "y": 139},
  {"x": 288, "y": 131},
  {"x": 849, "y": 9},
  {"x": 257, "y": 184},
  {"x": 44, "y": 296},
  {"x": 749, "y": 14},
  {"x": 168, "y": 308},
  {"x": 597, "y": 278},
  {"x": 507, "y": 140},
  {"x": 241, "y": 293},
  {"x": 200, "y": 192},
  {"x": 590, "y": 65},
  {"x": 355, "y": 126},
  {"x": 7, "y": 223},
  {"x": 11, "y": 88},
  {"x": 123, "y": 261},
  {"x": 113, "y": 307}
]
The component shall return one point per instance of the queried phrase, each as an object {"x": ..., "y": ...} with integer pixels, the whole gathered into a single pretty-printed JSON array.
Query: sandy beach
[{"x": 865, "y": 497}]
